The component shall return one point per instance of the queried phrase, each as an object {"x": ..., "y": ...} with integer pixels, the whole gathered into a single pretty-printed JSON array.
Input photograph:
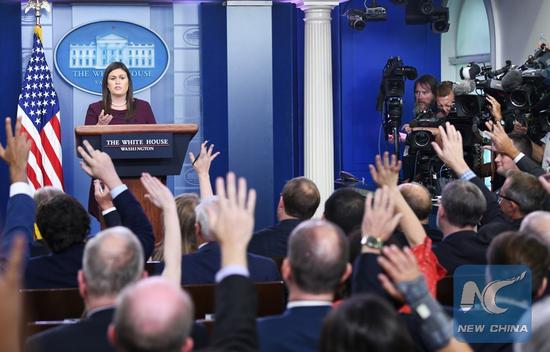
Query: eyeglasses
[{"x": 500, "y": 197}]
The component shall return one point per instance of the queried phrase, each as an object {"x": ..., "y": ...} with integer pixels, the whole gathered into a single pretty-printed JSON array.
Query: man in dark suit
[
  {"x": 64, "y": 224},
  {"x": 298, "y": 202},
  {"x": 156, "y": 314},
  {"x": 201, "y": 266},
  {"x": 460, "y": 209},
  {"x": 112, "y": 260},
  {"x": 345, "y": 208},
  {"x": 317, "y": 262}
]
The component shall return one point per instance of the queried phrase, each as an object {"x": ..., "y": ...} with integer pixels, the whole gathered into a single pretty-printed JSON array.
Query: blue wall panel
[{"x": 363, "y": 56}]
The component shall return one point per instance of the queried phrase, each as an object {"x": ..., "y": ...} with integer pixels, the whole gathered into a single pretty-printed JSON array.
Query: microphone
[
  {"x": 512, "y": 81},
  {"x": 501, "y": 70},
  {"x": 470, "y": 72},
  {"x": 464, "y": 87}
]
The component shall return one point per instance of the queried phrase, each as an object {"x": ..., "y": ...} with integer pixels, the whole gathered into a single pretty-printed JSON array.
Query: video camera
[{"x": 390, "y": 96}]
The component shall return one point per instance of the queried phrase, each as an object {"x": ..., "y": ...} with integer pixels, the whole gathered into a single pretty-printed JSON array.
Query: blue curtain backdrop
[{"x": 10, "y": 84}]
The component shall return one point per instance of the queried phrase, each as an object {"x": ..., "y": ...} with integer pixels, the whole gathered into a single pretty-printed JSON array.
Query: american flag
[{"x": 39, "y": 107}]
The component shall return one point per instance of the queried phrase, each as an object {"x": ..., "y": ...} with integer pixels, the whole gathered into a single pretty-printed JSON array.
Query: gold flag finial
[{"x": 37, "y": 6}]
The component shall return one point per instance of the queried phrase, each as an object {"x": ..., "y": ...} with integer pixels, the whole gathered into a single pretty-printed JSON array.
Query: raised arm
[
  {"x": 201, "y": 165},
  {"x": 235, "y": 326},
  {"x": 99, "y": 165},
  {"x": 162, "y": 198},
  {"x": 21, "y": 209},
  {"x": 386, "y": 173}
]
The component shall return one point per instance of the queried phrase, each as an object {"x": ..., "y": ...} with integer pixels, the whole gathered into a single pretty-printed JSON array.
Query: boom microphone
[
  {"x": 511, "y": 81},
  {"x": 464, "y": 87}
]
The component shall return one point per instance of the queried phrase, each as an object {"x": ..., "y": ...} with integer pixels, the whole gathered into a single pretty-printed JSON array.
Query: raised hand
[
  {"x": 494, "y": 108},
  {"x": 379, "y": 219},
  {"x": 386, "y": 172},
  {"x": 501, "y": 143},
  {"x": 102, "y": 195},
  {"x": 400, "y": 266},
  {"x": 99, "y": 165},
  {"x": 234, "y": 220},
  {"x": 157, "y": 192},
  {"x": 201, "y": 164},
  {"x": 16, "y": 152},
  {"x": 104, "y": 119},
  {"x": 451, "y": 152}
]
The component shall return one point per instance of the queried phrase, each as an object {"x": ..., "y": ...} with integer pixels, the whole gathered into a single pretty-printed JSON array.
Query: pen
[{"x": 197, "y": 158}]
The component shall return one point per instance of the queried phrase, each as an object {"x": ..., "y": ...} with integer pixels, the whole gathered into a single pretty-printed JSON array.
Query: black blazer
[
  {"x": 460, "y": 248},
  {"x": 235, "y": 324},
  {"x": 273, "y": 241},
  {"x": 89, "y": 334},
  {"x": 60, "y": 269},
  {"x": 526, "y": 164}
]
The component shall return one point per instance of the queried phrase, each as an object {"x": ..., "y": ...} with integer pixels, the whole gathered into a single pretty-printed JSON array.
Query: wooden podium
[{"x": 157, "y": 149}]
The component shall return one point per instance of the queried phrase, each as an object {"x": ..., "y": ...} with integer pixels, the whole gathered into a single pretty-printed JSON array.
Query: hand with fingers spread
[
  {"x": 386, "y": 172},
  {"x": 16, "y": 152},
  {"x": 494, "y": 108},
  {"x": 201, "y": 165},
  {"x": 451, "y": 152},
  {"x": 104, "y": 119},
  {"x": 102, "y": 195},
  {"x": 162, "y": 198},
  {"x": 10, "y": 304},
  {"x": 379, "y": 219},
  {"x": 501, "y": 143},
  {"x": 98, "y": 165},
  {"x": 234, "y": 222}
]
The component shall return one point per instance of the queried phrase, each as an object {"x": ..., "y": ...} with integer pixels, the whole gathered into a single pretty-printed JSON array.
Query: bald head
[
  {"x": 537, "y": 223},
  {"x": 318, "y": 253},
  {"x": 418, "y": 198},
  {"x": 153, "y": 315},
  {"x": 112, "y": 260}
]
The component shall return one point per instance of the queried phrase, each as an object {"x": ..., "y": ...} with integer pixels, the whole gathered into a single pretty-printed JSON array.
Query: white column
[{"x": 318, "y": 113}]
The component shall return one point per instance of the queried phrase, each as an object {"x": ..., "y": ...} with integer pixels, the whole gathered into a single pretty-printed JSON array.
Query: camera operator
[
  {"x": 445, "y": 99},
  {"x": 424, "y": 97}
]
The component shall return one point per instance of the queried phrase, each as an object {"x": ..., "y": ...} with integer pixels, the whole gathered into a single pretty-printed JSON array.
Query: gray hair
[
  {"x": 112, "y": 259},
  {"x": 153, "y": 315},
  {"x": 537, "y": 223},
  {"x": 202, "y": 216}
]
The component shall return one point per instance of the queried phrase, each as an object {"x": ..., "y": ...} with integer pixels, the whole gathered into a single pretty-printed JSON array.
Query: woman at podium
[{"x": 118, "y": 105}]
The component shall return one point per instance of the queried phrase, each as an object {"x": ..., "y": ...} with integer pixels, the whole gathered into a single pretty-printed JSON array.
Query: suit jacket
[
  {"x": 297, "y": 329},
  {"x": 200, "y": 267},
  {"x": 60, "y": 269},
  {"x": 273, "y": 241},
  {"x": 526, "y": 164},
  {"x": 235, "y": 324},
  {"x": 89, "y": 334},
  {"x": 460, "y": 248},
  {"x": 20, "y": 215},
  {"x": 490, "y": 231}
]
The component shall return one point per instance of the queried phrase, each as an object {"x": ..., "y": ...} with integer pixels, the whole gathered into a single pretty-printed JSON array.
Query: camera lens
[
  {"x": 422, "y": 139},
  {"x": 518, "y": 98}
]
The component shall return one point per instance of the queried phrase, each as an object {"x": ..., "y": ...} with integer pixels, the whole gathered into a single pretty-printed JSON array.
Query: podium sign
[{"x": 141, "y": 146}]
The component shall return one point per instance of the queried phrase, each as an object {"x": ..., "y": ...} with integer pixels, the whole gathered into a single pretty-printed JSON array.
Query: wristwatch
[{"x": 371, "y": 242}]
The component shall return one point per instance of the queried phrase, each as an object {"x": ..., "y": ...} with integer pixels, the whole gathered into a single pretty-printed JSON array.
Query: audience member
[
  {"x": 345, "y": 208},
  {"x": 201, "y": 165},
  {"x": 317, "y": 262},
  {"x": 298, "y": 202},
  {"x": 201, "y": 266},
  {"x": 420, "y": 200},
  {"x": 112, "y": 260},
  {"x": 365, "y": 323},
  {"x": 537, "y": 223},
  {"x": 39, "y": 246},
  {"x": 460, "y": 209},
  {"x": 156, "y": 315}
]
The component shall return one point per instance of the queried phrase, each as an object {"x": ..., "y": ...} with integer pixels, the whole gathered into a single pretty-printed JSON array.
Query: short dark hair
[
  {"x": 426, "y": 80},
  {"x": 364, "y": 323},
  {"x": 463, "y": 202},
  {"x": 444, "y": 88},
  {"x": 526, "y": 191},
  {"x": 63, "y": 222},
  {"x": 421, "y": 204},
  {"x": 301, "y": 198},
  {"x": 523, "y": 143},
  {"x": 515, "y": 248},
  {"x": 318, "y": 253},
  {"x": 345, "y": 208}
]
